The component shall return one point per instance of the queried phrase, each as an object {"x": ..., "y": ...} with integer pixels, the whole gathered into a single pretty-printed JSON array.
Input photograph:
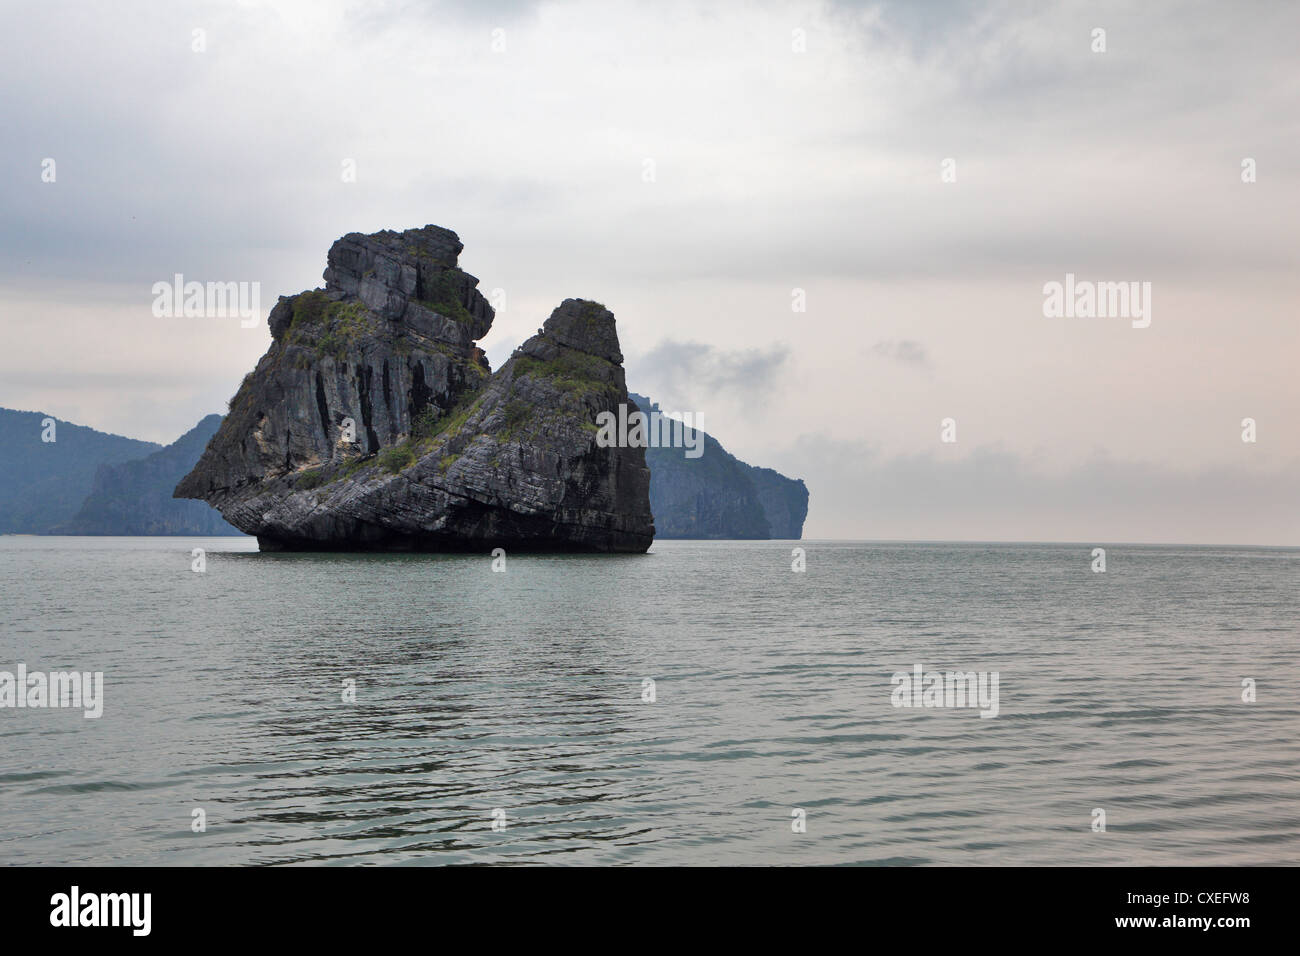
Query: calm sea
[{"x": 521, "y": 693}]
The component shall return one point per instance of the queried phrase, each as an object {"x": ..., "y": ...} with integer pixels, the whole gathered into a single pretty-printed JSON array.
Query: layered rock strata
[{"x": 373, "y": 422}]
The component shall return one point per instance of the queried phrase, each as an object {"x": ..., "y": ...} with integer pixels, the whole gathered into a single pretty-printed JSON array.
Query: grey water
[{"x": 524, "y": 692}]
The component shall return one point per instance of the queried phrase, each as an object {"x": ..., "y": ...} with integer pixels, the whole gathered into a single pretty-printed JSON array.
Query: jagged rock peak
[
  {"x": 586, "y": 326},
  {"x": 404, "y": 277}
]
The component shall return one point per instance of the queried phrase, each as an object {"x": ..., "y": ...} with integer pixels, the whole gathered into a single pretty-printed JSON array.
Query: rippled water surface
[{"x": 523, "y": 691}]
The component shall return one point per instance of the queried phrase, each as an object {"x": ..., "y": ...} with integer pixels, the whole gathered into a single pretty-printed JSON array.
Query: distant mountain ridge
[
  {"x": 719, "y": 496},
  {"x": 43, "y": 484},
  {"x": 135, "y": 497},
  {"x": 93, "y": 483}
]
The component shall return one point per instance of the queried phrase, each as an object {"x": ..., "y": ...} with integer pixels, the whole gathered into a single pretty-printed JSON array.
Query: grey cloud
[
  {"x": 146, "y": 187},
  {"x": 686, "y": 373}
]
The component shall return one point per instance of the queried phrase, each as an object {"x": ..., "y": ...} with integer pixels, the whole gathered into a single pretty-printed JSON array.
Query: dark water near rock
[{"x": 523, "y": 691}]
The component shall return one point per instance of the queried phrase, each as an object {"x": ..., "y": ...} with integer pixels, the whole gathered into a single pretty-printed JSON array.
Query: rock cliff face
[
  {"x": 373, "y": 421},
  {"x": 719, "y": 496},
  {"x": 784, "y": 501}
]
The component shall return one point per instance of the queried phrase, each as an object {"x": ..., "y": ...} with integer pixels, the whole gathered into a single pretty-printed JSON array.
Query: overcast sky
[{"x": 792, "y": 146}]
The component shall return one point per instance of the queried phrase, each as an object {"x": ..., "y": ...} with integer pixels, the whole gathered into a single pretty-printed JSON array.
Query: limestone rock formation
[
  {"x": 374, "y": 423},
  {"x": 719, "y": 496}
]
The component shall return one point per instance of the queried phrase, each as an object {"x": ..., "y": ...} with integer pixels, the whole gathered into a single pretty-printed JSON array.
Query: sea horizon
[{"x": 796, "y": 541}]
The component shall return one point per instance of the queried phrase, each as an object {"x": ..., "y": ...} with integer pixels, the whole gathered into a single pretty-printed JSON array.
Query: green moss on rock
[
  {"x": 445, "y": 297},
  {"x": 397, "y": 458},
  {"x": 573, "y": 371}
]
